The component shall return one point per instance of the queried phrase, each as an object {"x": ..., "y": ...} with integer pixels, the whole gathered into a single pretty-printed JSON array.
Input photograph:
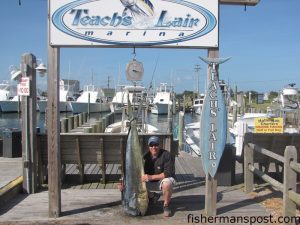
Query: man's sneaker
[
  {"x": 154, "y": 199},
  {"x": 167, "y": 211}
]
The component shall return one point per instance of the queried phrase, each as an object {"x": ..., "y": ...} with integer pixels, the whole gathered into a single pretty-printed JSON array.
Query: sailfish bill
[{"x": 135, "y": 197}]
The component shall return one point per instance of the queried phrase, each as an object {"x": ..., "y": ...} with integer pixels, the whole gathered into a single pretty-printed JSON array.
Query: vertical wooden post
[
  {"x": 180, "y": 130},
  {"x": 289, "y": 182},
  {"x": 76, "y": 121},
  {"x": 102, "y": 164},
  {"x": 87, "y": 130},
  {"x": 210, "y": 195},
  {"x": 248, "y": 175},
  {"x": 89, "y": 104},
  {"x": 79, "y": 161},
  {"x": 170, "y": 121},
  {"x": 64, "y": 126},
  {"x": 80, "y": 117},
  {"x": 98, "y": 126},
  {"x": 54, "y": 156},
  {"x": 29, "y": 151},
  {"x": 211, "y": 182},
  {"x": 71, "y": 123},
  {"x": 234, "y": 115}
]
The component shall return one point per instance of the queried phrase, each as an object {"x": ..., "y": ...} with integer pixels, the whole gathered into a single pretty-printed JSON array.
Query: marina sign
[{"x": 127, "y": 23}]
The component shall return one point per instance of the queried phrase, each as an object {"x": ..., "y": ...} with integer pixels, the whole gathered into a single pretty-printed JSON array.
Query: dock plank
[
  {"x": 10, "y": 168},
  {"x": 97, "y": 203}
]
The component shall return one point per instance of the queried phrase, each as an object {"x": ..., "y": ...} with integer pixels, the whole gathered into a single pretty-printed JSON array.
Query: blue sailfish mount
[{"x": 213, "y": 127}]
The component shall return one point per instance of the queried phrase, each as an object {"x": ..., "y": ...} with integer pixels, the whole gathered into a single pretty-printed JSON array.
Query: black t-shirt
[{"x": 160, "y": 164}]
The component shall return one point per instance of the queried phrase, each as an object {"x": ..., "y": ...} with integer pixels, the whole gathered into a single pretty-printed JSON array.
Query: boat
[
  {"x": 243, "y": 125},
  {"x": 7, "y": 92},
  {"x": 289, "y": 97},
  {"x": 129, "y": 112},
  {"x": 123, "y": 126},
  {"x": 198, "y": 104},
  {"x": 192, "y": 138},
  {"x": 11, "y": 105},
  {"x": 162, "y": 100},
  {"x": 92, "y": 99},
  {"x": 68, "y": 92},
  {"x": 10, "y": 102},
  {"x": 288, "y": 103},
  {"x": 136, "y": 94}
]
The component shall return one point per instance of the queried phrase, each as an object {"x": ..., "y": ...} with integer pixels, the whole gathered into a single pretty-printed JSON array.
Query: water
[{"x": 14, "y": 120}]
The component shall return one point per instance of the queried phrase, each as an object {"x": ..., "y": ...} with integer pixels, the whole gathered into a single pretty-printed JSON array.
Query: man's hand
[
  {"x": 121, "y": 186},
  {"x": 146, "y": 178}
]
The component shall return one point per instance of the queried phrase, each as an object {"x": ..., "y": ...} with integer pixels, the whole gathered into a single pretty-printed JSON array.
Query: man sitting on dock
[{"x": 159, "y": 174}]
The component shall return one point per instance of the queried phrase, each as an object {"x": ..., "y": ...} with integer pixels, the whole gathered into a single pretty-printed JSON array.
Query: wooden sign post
[
  {"x": 54, "y": 158},
  {"x": 213, "y": 130},
  {"x": 29, "y": 152}
]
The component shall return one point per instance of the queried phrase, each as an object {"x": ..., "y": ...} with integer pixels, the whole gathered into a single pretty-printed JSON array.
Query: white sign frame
[
  {"x": 106, "y": 23},
  {"x": 23, "y": 88}
]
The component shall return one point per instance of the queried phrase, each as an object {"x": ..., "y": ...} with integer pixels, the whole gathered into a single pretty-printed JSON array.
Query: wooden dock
[
  {"x": 10, "y": 168},
  {"x": 95, "y": 203}
]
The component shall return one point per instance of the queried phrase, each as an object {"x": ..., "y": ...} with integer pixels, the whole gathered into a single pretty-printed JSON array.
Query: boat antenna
[
  {"x": 151, "y": 82},
  {"x": 92, "y": 77}
]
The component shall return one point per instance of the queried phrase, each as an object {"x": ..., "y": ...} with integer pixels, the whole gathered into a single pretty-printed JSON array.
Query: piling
[
  {"x": 84, "y": 117},
  {"x": 71, "y": 123},
  {"x": 87, "y": 130},
  {"x": 170, "y": 122},
  {"x": 180, "y": 130},
  {"x": 234, "y": 114},
  {"x": 64, "y": 125},
  {"x": 76, "y": 121},
  {"x": 94, "y": 128},
  {"x": 80, "y": 116}
]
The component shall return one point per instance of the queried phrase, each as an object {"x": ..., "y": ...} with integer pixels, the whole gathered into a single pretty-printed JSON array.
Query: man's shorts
[{"x": 156, "y": 185}]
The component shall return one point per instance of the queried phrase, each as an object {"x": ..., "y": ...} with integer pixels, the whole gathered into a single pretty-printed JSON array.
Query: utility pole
[{"x": 197, "y": 75}]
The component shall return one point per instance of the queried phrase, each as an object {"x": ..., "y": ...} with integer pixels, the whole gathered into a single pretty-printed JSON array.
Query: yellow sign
[{"x": 268, "y": 125}]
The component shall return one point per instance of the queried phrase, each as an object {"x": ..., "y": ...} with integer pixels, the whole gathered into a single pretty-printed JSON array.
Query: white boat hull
[
  {"x": 11, "y": 106},
  {"x": 160, "y": 109},
  {"x": 122, "y": 127},
  {"x": 192, "y": 139},
  {"x": 79, "y": 107},
  {"x": 116, "y": 108},
  {"x": 63, "y": 106}
]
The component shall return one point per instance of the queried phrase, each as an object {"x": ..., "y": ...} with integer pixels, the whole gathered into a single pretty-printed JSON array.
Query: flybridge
[{"x": 82, "y": 17}]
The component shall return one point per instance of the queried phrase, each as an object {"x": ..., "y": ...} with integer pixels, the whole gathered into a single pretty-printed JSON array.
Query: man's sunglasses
[{"x": 152, "y": 145}]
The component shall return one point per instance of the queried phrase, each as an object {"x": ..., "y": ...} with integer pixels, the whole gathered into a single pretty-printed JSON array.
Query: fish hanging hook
[
  {"x": 134, "y": 53},
  {"x": 19, "y": 2}
]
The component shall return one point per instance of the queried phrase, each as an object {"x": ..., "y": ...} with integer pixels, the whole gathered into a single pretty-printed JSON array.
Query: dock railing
[
  {"x": 95, "y": 148},
  {"x": 290, "y": 197}
]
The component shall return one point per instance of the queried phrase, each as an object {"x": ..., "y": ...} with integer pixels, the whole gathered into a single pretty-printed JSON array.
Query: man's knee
[{"x": 166, "y": 186}]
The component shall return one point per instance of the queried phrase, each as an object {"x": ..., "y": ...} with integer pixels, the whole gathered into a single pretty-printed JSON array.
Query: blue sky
[{"x": 262, "y": 41}]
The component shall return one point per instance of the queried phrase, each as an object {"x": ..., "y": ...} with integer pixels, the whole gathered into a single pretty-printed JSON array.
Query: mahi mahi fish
[
  {"x": 138, "y": 8},
  {"x": 135, "y": 197}
]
